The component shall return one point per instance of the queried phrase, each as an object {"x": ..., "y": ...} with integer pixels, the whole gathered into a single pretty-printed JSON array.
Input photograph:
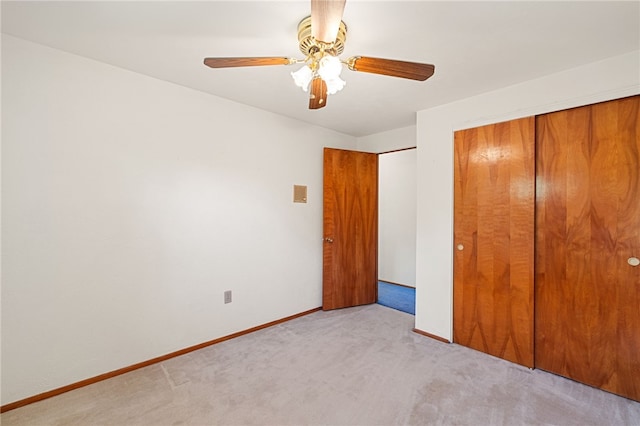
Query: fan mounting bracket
[{"x": 309, "y": 46}]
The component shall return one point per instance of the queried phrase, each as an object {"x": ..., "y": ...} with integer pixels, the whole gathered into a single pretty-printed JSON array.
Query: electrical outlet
[{"x": 227, "y": 296}]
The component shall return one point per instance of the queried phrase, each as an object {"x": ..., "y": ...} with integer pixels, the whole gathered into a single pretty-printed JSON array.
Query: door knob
[
  {"x": 633, "y": 261},
  {"x": 460, "y": 247},
  {"x": 329, "y": 240}
]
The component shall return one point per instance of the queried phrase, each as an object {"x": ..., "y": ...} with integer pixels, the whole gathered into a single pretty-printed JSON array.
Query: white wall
[
  {"x": 396, "y": 203},
  {"x": 397, "y": 217},
  {"x": 609, "y": 79},
  {"x": 403, "y": 137},
  {"x": 130, "y": 205}
]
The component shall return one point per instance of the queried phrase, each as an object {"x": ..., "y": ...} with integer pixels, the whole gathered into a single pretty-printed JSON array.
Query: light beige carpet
[{"x": 357, "y": 366}]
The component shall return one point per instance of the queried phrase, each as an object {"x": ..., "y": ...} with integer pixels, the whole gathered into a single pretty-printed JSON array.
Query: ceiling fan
[{"x": 321, "y": 38}]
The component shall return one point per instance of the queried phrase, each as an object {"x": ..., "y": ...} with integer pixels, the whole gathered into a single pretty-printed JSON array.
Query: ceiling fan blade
[
  {"x": 318, "y": 94},
  {"x": 326, "y": 16},
  {"x": 411, "y": 70},
  {"x": 245, "y": 62}
]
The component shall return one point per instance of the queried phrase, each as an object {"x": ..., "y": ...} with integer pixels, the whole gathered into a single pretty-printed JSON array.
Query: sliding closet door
[
  {"x": 494, "y": 239},
  {"x": 588, "y": 235}
]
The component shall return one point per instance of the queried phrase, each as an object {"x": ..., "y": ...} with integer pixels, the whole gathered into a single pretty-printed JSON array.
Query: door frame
[{"x": 327, "y": 237}]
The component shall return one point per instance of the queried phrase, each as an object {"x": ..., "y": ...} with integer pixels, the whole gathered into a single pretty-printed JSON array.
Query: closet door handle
[{"x": 633, "y": 261}]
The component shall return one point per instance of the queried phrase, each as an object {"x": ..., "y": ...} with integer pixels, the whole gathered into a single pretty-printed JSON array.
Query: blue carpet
[{"x": 397, "y": 297}]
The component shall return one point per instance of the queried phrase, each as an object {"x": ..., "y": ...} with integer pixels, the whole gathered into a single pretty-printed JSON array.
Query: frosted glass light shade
[
  {"x": 303, "y": 77},
  {"x": 335, "y": 85},
  {"x": 329, "y": 68}
]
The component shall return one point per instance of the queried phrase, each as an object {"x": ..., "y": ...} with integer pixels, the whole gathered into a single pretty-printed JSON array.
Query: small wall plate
[{"x": 299, "y": 193}]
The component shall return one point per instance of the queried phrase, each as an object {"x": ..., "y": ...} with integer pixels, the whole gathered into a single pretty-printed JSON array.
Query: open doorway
[{"x": 397, "y": 229}]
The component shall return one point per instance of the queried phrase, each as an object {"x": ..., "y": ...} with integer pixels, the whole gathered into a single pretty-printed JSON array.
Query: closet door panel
[
  {"x": 493, "y": 238},
  {"x": 587, "y": 311}
]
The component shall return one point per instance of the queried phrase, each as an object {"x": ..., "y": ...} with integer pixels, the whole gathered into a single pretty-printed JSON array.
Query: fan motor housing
[{"x": 309, "y": 45}]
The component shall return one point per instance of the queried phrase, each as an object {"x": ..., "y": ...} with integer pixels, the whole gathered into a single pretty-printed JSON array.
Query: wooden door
[
  {"x": 494, "y": 239},
  {"x": 350, "y": 228},
  {"x": 588, "y": 227}
]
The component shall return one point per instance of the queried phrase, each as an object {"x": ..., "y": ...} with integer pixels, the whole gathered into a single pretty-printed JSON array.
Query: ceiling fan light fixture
[
  {"x": 329, "y": 67},
  {"x": 334, "y": 85},
  {"x": 302, "y": 78},
  {"x": 322, "y": 58}
]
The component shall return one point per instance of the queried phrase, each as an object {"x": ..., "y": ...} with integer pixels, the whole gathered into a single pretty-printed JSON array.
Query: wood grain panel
[
  {"x": 411, "y": 70},
  {"x": 318, "y": 94},
  {"x": 587, "y": 311},
  {"x": 325, "y": 19},
  {"x": 493, "y": 222},
  {"x": 350, "y": 228},
  {"x": 245, "y": 62}
]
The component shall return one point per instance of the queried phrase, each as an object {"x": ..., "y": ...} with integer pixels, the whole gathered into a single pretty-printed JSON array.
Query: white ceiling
[{"x": 476, "y": 47}]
